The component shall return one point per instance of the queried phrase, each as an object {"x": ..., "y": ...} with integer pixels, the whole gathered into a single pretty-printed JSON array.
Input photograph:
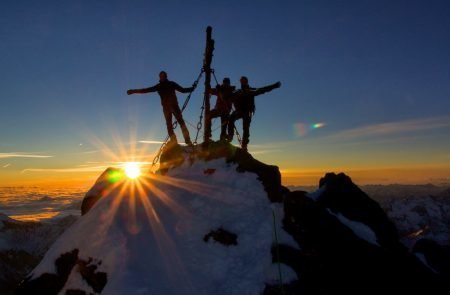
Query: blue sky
[{"x": 376, "y": 73}]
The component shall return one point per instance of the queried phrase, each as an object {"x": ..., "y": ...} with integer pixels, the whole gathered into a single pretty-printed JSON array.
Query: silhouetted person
[
  {"x": 244, "y": 105},
  {"x": 222, "y": 109},
  {"x": 166, "y": 90}
]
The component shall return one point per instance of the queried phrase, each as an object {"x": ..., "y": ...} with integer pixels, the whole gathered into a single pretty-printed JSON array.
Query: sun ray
[
  {"x": 173, "y": 264},
  {"x": 164, "y": 197},
  {"x": 185, "y": 184},
  {"x": 140, "y": 201},
  {"x": 133, "y": 226},
  {"x": 191, "y": 186}
]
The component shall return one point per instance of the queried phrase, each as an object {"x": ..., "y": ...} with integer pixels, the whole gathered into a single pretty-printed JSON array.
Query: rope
[
  {"x": 214, "y": 75},
  {"x": 199, "y": 124},
  {"x": 238, "y": 136},
  {"x": 278, "y": 252},
  {"x": 175, "y": 124}
]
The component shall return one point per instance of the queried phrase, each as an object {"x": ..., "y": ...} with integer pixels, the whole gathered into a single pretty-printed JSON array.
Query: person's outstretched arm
[
  {"x": 181, "y": 89},
  {"x": 267, "y": 88},
  {"x": 143, "y": 90}
]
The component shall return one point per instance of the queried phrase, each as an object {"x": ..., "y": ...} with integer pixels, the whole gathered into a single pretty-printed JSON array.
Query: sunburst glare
[
  {"x": 132, "y": 170},
  {"x": 142, "y": 196}
]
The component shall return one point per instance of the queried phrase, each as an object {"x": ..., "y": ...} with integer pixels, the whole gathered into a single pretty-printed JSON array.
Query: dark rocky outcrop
[
  {"x": 14, "y": 266},
  {"x": 340, "y": 194},
  {"x": 88, "y": 270},
  {"x": 332, "y": 259},
  {"x": 269, "y": 175},
  {"x": 29, "y": 241},
  {"x": 437, "y": 257},
  {"x": 51, "y": 284},
  {"x": 222, "y": 236},
  {"x": 101, "y": 188}
]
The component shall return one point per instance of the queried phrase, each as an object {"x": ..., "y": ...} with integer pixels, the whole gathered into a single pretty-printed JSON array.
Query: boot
[
  {"x": 187, "y": 138},
  {"x": 188, "y": 142},
  {"x": 173, "y": 139}
]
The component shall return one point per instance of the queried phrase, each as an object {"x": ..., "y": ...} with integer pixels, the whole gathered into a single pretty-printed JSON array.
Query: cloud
[
  {"x": 151, "y": 141},
  {"x": 90, "y": 152},
  {"x": 262, "y": 152},
  {"x": 83, "y": 167},
  {"x": 66, "y": 170},
  {"x": 139, "y": 162},
  {"x": 22, "y": 155},
  {"x": 395, "y": 128}
]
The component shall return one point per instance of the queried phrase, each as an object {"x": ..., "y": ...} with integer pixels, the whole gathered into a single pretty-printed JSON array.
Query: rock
[
  {"x": 47, "y": 283},
  {"x": 341, "y": 195},
  {"x": 437, "y": 256},
  {"x": 333, "y": 259},
  {"x": 101, "y": 188},
  {"x": 52, "y": 283},
  {"x": 222, "y": 236}
]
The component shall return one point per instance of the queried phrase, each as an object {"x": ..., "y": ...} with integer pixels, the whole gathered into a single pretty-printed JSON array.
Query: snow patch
[
  {"x": 423, "y": 259},
  {"x": 361, "y": 230}
]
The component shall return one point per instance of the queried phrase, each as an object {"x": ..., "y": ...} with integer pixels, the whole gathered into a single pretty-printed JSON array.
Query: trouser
[
  {"x": 175, "y": 110},
  {"x": 224, "y": 118},
  {"x": 246, "y": 120}
]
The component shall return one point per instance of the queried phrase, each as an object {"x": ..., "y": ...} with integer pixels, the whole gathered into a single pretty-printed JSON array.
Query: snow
[
  {"x": 420, "y": 217},
  {"x": 418, "y": 211},
  {"x": 315, "y": 195},
  {"x": 282, "y": 236},
  {"x": 74, "y": 282},
  {"x": 287, "y": 274},
  {"x": 423, "y": 259},
  {"x": 361, "y": 230},
  {"x": 149, "y": 238}
]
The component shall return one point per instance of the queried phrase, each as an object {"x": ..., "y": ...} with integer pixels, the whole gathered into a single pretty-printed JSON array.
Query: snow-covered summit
[{"x": 204, "y": 227}]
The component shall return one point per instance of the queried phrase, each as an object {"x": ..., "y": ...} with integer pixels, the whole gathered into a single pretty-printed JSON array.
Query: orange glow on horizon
[
  {"x": 438, "y": 175},
  {"x": 34, "y": 217}
]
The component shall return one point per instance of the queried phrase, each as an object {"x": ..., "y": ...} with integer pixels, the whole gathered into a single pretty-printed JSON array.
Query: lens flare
[
  {"x": 132, "y": 170},
  {"x": 317, "y": 125},
  {"x": 114, "y": 176},
  {"x": 302, "y": 129}
]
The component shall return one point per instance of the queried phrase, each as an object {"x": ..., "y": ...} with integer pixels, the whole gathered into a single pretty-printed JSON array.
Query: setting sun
[{"x": 132, "y": 170}]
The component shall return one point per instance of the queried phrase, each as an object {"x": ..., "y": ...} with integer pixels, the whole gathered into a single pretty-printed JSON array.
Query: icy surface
[
  {"x": 360, "y": 229},
  {"x": 149, "y": 236}
]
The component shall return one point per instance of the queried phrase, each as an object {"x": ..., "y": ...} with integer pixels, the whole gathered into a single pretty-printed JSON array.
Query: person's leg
[
  {"x": 223, "y": 126},
  {"x": 214, "y": 113},
  {"x": 246, "y": 120},
  {"x": 168, "y": 116},
  {"x": 179, "y": 117},
  {"x": 232, "y": 119}
]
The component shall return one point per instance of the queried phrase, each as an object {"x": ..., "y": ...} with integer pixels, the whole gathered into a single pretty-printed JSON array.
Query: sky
[{"x": 365, "y": 84}]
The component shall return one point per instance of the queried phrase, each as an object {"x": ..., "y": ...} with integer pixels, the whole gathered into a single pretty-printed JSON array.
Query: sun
[{"x": 132, "y": 170}]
